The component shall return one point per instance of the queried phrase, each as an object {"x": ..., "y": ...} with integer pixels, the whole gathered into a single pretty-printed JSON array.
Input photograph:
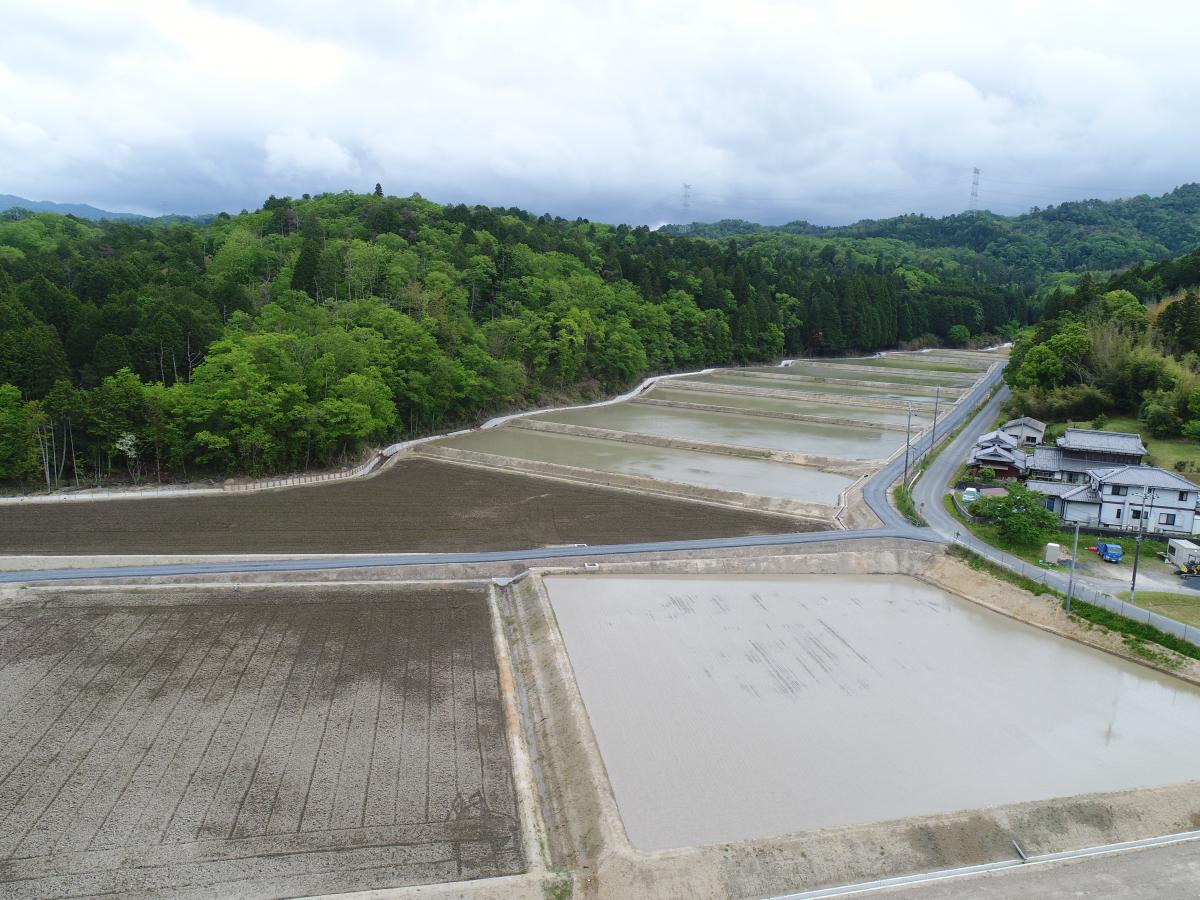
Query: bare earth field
[
  {"x": 263, "y": 744},
  {"x": 415, "y": 506}
]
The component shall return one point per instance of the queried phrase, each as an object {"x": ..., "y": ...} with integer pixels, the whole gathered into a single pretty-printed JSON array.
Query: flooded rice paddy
[
  {"x": 735, "y": 708},
  {"x": 921, "y": 379},
  {"x": 818, "y": 438},
  {"x": 755, "y": 404},
  {"x": 709, "y": 470},
  {"x": 885, "y": 390}
]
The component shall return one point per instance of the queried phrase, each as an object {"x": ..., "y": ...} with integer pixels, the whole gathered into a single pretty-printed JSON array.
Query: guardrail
[{"x": 291, "y": 480}]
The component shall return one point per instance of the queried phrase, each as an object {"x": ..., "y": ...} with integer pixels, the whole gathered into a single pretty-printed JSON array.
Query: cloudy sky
[{"x": 771, "y": 111}]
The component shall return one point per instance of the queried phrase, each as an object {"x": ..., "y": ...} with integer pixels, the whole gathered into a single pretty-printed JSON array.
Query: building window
[
  {"x": 1117, "y": 514},
  {"x": 1166, "y": 519},
  {"x": 1183, "y": 495},
  {"x": 1118, "y": 490},
  {"x": 1137, "y": 513}
]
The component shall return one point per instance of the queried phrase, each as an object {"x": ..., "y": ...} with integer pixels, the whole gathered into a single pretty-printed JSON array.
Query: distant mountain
[
  {"x": 1097, "y": 235},
  {"x": 79, "y": 210}
]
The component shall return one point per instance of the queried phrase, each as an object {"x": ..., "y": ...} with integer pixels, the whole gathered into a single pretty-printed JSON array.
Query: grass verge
[
  {"x": 1136, "y": 635},
  {"x": 1182, "y": 607},
  {"x": 908, "y": 509}
]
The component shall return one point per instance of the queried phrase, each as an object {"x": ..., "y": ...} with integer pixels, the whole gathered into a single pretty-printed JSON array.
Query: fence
[{"x": 291, "y": 480}]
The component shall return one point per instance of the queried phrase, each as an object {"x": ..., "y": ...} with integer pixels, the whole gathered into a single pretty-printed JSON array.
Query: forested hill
[
  {"x": 295, "y": 335},
  {"x": 1088, "y": 235}
]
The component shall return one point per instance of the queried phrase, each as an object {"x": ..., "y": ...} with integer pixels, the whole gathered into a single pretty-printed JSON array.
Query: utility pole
[
  {"x": 1137, "y": 547},
  {"x": 907, "y": 440},
  {"x": 1074, "y": 558},
  {"x": 937, "y": 395},
  {"x": 687, "y": 196}
]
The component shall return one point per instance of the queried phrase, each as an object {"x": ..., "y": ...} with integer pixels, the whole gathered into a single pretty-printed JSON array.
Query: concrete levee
[
  {"x": 832, "y": 464},
  {"x": 812, "y": 512},
  {"x": 586, "y": 833}
]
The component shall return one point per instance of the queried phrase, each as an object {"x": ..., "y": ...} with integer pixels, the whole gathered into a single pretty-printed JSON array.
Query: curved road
[{"x": 874, "y": 495}]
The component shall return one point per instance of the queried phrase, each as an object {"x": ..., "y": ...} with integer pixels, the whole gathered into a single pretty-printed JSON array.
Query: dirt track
[
  {"x": 253, "y": 744},
  {"x": 417, "y": 505}
]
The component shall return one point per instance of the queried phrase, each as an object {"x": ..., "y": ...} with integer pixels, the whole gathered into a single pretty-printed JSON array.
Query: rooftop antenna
[{"x": 974, "y": 189}]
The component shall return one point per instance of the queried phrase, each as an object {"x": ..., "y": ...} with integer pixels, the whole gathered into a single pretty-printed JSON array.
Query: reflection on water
[
  {"x": 729, "y": 428},
  {"x": 731, "y": 473},
  {"x": 732, "y": 708}
]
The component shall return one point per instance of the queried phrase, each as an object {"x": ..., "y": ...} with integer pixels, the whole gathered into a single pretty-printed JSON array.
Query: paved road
[{"x": 426, "y": 559}]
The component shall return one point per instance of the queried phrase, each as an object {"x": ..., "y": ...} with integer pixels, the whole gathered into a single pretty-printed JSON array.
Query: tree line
[{"x": 298, "y": 334}]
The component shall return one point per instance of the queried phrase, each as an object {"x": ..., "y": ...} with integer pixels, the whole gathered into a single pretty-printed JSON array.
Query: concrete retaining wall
[
  {"x": 830, "y": 464},
  {"x": 812, "y": 512}
]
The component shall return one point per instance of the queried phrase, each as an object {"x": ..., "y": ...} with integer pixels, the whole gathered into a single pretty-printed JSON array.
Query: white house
[
  {"x": 1028, "y": 431},
  {"x": 1128, "y": 498}
]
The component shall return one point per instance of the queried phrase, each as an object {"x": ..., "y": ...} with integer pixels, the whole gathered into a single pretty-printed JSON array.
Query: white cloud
[
  {"x": 771, "y": 110},
  {"x": 296, "y": 152}
]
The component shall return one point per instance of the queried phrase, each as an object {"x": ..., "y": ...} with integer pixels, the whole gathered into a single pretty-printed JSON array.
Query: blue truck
[{"x": 1110, "y": 552}]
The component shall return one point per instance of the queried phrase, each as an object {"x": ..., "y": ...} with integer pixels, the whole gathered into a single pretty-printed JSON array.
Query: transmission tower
[
  {"x": 687, "y": 196},
  {"x": 974, "y": 205}
]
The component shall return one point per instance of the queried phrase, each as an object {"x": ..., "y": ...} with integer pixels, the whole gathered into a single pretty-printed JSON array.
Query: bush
[{"x": 987, "y": 475}]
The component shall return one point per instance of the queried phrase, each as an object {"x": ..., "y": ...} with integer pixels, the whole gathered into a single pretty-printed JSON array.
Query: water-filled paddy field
[
  {"x": 710, "y": 470},
  {"x": 742, "y": 430},
  {"x": 927, "y": 379},
  {"x": 811, "y": 385},
  {"x": 751, "y": 403},
  {"x": 733, "y": 708}
]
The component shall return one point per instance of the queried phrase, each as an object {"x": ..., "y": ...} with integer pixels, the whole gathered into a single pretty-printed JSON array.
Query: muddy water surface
[
  {"x": 929, "y": 379},
  {"x": 811, "y": 385},
  {"x": 733, "y": 708},
  {"x": 840, "y": 441},
  {"x": 751, "y": 403},
  {"x": 752, "y": 476}
]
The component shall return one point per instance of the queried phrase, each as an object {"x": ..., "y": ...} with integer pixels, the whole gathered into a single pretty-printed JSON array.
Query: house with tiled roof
[
  {"x": 1126, "y": 497},
  {"x": 1080, "y": 450}
]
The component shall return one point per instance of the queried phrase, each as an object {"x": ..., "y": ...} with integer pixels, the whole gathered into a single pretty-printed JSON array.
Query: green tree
[
  {"x": 958, "y": 335},
  {"x": 18, "y": 435},
  {"x": 1020, "y": 514}
]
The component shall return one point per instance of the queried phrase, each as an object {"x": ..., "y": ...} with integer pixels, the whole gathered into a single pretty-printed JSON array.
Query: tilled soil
[
  {"x": 417, "y": 505},
  {"x": 227, "y": 745}
]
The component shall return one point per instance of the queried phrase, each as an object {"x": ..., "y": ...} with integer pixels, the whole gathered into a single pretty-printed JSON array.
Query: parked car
[
  {"x": 970, "y": 495},
  {"x": 1110, "y": 552}
]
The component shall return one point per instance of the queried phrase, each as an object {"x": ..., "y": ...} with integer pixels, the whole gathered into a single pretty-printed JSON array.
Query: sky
[{"x": 770, "y": 111}]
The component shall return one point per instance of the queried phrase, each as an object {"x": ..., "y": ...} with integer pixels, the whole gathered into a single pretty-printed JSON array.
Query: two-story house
[
  {"x": 1131, "y": 497},
  {"x": 1080, "y": 450}
]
